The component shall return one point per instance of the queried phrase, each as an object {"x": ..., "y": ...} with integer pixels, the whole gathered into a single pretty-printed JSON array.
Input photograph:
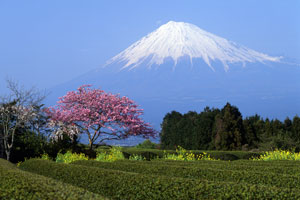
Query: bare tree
[
  {"x": 17, "y": 110},
  {"x": 30, "y": 97}
]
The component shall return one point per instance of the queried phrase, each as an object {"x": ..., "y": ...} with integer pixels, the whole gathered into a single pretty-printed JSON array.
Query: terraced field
[
  {"x": 19, "y": 184},
  {"x": 126, "y": 179}
]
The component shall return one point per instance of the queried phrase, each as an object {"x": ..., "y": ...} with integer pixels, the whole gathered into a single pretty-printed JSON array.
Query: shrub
[
  {"x": 279, "y": 155},
  {"x": 136, "y": 157},
  {"x": 27, "y": 144},
  {"x": 127, "y": 155},
  {"x": 45, "y": 156},
  {"x": 70, "y": 157},
  {"x": 147, "y": 144},
  {"x": 103, "y": 147},
  {"x": 114, "y": 154},
  {"x": 62, "y": 145},
  {"x": 226, "y": 157},
  {"x": 182, "y": 154},
  {"x": 148, "y": 155},
  {"x": 90, "y": 153},
  {"x": 251, "y": 156}
]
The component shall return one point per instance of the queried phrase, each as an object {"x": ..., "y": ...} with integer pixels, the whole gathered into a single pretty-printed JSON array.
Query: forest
[{"x": 226, "y": 129}]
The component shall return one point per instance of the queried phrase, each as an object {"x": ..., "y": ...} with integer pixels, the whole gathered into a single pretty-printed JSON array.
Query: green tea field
[{"x": 126, "y": 179}]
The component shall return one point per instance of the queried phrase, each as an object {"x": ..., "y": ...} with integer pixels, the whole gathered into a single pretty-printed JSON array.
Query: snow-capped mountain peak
[{"x": 178, "y": 39}]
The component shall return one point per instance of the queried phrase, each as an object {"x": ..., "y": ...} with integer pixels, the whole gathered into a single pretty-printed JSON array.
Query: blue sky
[{"x": 45, "y": 43}]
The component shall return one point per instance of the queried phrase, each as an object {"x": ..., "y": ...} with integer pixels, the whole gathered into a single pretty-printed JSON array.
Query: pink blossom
[{"x": 93, "y": 110}]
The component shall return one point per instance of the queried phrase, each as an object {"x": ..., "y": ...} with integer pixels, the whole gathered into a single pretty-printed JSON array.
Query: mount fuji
[
  {"x": 178, "y": 39},
  {"x": 182, "y": 67}
]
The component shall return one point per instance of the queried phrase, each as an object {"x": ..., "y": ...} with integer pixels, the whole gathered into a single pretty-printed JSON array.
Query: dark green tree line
[{"x": 226, "y": 129}]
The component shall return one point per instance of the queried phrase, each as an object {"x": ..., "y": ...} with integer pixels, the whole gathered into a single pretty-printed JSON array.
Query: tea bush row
[
  {"x": 278, "y": 167},
  {"x": 276, "y": 164},
  {"x": 179, "y": 154},
  {"x": 18, "y": 184},
  {"x": 4, "y": 164},
  {"x": 115, "y": 154},
  {"x": 218, "y": 155},
  {"x": 117, "y": 184},
  {"x": 207, "y": 173},
  {"x": 149, "y": 155}
]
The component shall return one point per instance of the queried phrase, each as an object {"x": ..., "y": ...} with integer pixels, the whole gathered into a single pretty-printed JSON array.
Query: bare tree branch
[{"x": 17, "y": 110}]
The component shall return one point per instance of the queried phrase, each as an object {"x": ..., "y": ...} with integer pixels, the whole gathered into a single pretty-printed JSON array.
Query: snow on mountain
[{"x": 178, "y": 39}]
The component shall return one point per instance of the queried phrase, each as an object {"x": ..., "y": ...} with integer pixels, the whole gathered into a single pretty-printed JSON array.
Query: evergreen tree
[
  {"x": 186, "y": 130},
  {"x": 268, "y": 130},
  {"x": 288, "y": 124},
  {"x": 28, "y": 144},
  {"x": 277, "y": 127},
  {"x": 253, "y": 130},
  {"x": 169, "y": 136},
  {"x": 204, "y": 127},
  {"x": 296, "y": 128},
  {"x": 229, "y": 131}
]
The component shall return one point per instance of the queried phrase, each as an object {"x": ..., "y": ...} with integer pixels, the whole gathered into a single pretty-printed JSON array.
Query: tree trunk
[
  {"x": 1, "y": 147},
  {"x": 90, "y": 140},
  {"x": 90, "y": 145},
  {"x": 8, "y": 146},
  {"x": 7, "y": 154},
  {"x": 7, "y": 149}
]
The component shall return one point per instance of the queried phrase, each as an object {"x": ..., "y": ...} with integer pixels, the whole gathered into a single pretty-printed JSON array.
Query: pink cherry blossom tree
[{"x": 97, "y": 113}]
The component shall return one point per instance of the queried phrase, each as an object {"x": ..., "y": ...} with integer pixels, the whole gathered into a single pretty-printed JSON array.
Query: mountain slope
[{"x": 178, "y": 39}]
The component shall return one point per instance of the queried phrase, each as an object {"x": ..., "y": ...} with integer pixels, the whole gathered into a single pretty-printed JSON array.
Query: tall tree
[
  {"x": 268, "y": 129},
  {"x": 16, "y": 110},
  {"x": 229, "y": 131},
  {"x": 277, "y": 127},
  {"x": 253, "y": 126},
  {"x": 185, "y": 130},
  {"x": 169, "y": 136},
  {"x": 97, "y": 113},
  {"x": 288, "y": 125},
  {"x": 27, "y": 144},
  {"x": 204, "y": 128},
  {"x": 296, "y": 128}
]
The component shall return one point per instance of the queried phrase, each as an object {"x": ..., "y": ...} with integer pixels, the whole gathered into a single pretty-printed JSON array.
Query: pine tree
[{"x": 228, "y": 129}]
